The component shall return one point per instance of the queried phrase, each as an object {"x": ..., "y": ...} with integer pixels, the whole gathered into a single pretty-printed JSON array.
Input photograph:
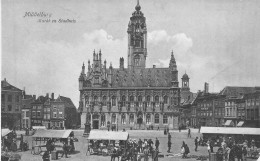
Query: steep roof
[
  {"x": 41, "y": 100},
  {"x": 67, "y": 101},
  {"x": 238, "y": 92},
  {"x": 147, "y": 77},
  {"x": 7, "y": 86}
]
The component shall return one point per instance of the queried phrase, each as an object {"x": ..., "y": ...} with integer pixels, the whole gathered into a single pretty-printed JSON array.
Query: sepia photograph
[{"x": 130, "y": 80}]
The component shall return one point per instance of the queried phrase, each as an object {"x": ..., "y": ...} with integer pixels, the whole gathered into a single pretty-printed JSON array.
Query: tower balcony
[{"x": 138, "y": 50}]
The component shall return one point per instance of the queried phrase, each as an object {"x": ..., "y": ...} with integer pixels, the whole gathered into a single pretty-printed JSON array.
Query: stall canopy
[
  {"x": 108, "y": 135},
  {"x": 4, "y": 132},
  {"x": 230, "y": 130},
  {"x": 228, "y": 123},
  {"x": 52, "y": 133},
  {"x": 240, "y": 123},
  {"x": 38, "y": 127}
]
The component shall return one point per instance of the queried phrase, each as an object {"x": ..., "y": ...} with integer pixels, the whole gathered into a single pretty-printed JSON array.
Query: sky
[{"x": 214, "y": 41}]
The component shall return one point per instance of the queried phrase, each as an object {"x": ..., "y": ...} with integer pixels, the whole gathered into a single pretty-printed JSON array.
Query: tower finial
[{"x": 137, "y": 7}]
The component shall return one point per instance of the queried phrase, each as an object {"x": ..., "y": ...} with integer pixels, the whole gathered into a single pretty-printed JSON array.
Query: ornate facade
[{"x": 133, "y": 97}]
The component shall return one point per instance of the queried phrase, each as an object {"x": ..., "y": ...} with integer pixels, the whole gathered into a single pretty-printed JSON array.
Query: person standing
[
  {"x": 64, "y": 147},
  {"x": 196, "y": 143},
  {"x": 155, "y": 155},
  {"x": 169, "y": 146},
  {"x": 146, "y": 153},
  {"x": 21, "y": 143},
  {"x": 140, "y": 145},
  {"x": 169, "y": 137},
  {"x": 157, "y": 143},
  {"x": 189, "y": 135},
  {"x": 211, "y": 145}
]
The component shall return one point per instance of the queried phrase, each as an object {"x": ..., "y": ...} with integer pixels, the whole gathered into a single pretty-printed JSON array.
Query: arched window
[
  {"x": 137, "y": 59},
  {"x": 165, "y": 100},
  {"x": 156, "y": 99},
  {"x": 148, "y": 100},
  {"x": 103, "y": 120},
  {"x": 113, "y": 101},
  {"x": 148, "y": 119},
  {"x": 131, "y": 98},
  {"x": 131, "y": 119},
  {"x": 86, "y": 100},
  {"x": 140, "y": 98},
  {"x": 123, "y": 99},
  {"x": 113, "y": 120},
  {"x": 132, "y": 101},
  {"x": 165, "y": 119},
  {"x": 104, "y": 100},
  {"x": 156, "y": 118},
  {"x": 95, "y": 100},
  {"x": 123, "y": 118}
]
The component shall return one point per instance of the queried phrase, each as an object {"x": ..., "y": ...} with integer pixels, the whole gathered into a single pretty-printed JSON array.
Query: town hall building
[{"x": 132, "y": 97}]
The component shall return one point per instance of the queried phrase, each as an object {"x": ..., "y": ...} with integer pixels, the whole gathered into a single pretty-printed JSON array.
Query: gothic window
[
  {"x": 140, "y": 98},
  {"x": 104, "y": 84},
  {"x": 103, "y": 120},
  {"x": 95, "y": 100},
  {"x": 148, "y": 119},
  {"x": 88, "y": 84},
  {"x": 140, "y": 101},
  {"x": 104, "y": 100},
  {"x": 113, "y": 101},
  {"x": 123, "y": 118},
  {"x": 131, "y": 119},
  {"x": 156, "y": 99},
  {"x": 137, "y": 60},
  {"x": 165, "y": 119},
  {"x": 131, "y": 98},
  {"x": 86, "y": 100},
  {"x": 148, "y": 100},
  {"x": 156, "y": 118},
  {"x": 165, "y": 100},
  {"x": 123, "y": 99},
  {"x": 96, "y": 80},
  {"x": 113, "y": 118}
]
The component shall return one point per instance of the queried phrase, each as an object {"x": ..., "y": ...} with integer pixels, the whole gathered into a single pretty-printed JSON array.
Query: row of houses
[
  {"x": 20, "y": 110},
  {"x": 232, "y": 106}
]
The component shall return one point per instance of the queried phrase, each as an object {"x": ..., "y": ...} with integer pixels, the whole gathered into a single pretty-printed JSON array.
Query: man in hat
[{"x": 157, "y": 143}]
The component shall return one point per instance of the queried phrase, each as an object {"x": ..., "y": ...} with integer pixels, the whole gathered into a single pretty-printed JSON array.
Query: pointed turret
[
  {"x": 172, "y": 64},
  {"x": 83, "y": 69}
]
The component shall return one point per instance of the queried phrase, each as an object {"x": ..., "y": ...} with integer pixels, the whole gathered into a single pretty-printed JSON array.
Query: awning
[
  {"x": 230, "y": 130},
  {"x": 108, "y": 135},
  {"x": 52, "y": 133},
  {"x": 228, "y": 123},
  {"x": 38, "y": 127},
  {"x": 4, "y": 132},
  {"x": 240, "y": 123}
]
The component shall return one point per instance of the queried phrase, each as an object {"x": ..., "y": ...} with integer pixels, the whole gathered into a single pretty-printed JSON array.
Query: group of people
[
  {"x": 50, "y": 146},
  {"x": 135, "y": 150}
]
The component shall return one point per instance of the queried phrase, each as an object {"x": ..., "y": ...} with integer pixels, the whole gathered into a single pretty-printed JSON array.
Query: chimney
[
  {"x": 52, "y": 96},
  {"x": 154, "y": 66},
  {"x": 34, "y": 97},
  {"x": 206, "y": 87},
  {"x": 121, "y": 62},
  {"x": 47, "y": 95},
  {"x": 5, "y": 79}
]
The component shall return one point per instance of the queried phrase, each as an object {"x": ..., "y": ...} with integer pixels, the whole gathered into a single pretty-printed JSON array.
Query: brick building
[
  {"x": 252, "y": 109},
  {"x": 132, "y": 97},
  {"x": 11, "y": 105},
  {"x": 27, "y": 100}
]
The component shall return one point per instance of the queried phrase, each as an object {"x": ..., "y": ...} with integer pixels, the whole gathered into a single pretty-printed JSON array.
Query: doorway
[{"x": 95, "y": 124}]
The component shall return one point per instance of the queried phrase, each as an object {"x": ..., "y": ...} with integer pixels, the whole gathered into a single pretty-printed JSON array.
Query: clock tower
[{"x": 137, "y": 39}]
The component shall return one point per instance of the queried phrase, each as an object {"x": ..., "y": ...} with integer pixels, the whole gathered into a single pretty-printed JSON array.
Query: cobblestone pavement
[{"x": 177, "y": 138}]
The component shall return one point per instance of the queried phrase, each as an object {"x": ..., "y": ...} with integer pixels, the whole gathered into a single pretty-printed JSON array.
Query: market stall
[
  {"x": 42, "y": 138},
  {"x": 103, "y": 142},
  {"x": 240, "y": 136}
]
